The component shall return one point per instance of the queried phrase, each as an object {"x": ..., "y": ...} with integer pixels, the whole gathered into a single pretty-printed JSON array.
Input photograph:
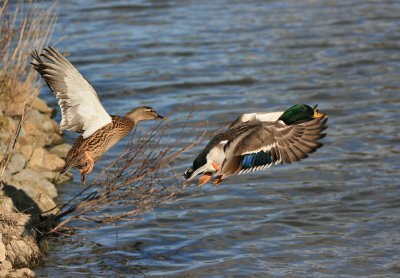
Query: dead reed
[{"x": 22, "y": 30}]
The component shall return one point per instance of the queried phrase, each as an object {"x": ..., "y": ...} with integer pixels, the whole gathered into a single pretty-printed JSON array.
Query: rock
[
  {"x": 41, "y": 160},
  {"x": 23, "y": 272},
  {"x": 6, "y": 202},
  {"x": 41, "y": 105},
  {"x": 35, "y": 136},
  {"x": 67, "y": 176},
  {"x": 23, "y": 198},
  {"x": 27, "y": 178},
  {"x": 26, "y": 175},
  {"x": 46, "y": 204},
  {"x": 61, "y": 150},
  {"x": 4, "y": 136},
  {"x": 44, "y": 245},
  {"x": 2, "y": 251},
  {"x": 56, "y": 178},
  {"x": 35, "y": 117},
  {"x": 56, "y": 127},
  {"x": 14, "y": 109},
  {"x": 47, "y": 126},
  {"x": 22, "y": 132},
  {"x": 56, "y": 139},
  {"x": 30, "y": 128},
  {"x": 17, "y": 163},
  {"x": 6, "y": 176},
  {"x": 26, "y": 150},
  {"x": 53, "y": 162},
  {"x": 5, "y": 265},
  {"x": 12, "y": 124},
  {"x": 28, "y": 190}
]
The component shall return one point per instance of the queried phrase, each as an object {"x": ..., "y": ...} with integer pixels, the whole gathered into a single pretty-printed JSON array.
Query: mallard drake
[
  {"x": 81, "y": 111},
  {"x": 258, "y": 140}
]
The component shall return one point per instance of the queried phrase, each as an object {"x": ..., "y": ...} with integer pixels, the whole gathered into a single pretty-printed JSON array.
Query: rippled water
[{"x": 334, "y": 214}]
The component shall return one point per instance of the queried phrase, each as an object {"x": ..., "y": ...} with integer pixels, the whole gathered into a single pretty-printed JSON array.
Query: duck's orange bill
[
  {"x": 319, "y": 115},
  {"x": 204, "y": 179}
]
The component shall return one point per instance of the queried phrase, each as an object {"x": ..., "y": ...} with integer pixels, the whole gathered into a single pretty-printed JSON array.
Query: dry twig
[{"x": 141, "y": 178}]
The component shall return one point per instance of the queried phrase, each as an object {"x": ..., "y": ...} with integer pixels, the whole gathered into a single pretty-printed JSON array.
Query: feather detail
[{"x": 81, "y": 110}]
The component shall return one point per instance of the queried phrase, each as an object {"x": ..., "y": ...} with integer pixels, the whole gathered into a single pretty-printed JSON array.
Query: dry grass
[{"x": 23, "y": 30}]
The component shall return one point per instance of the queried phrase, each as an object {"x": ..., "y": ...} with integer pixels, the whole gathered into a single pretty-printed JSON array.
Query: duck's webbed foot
[
  {"x": 204, "y": 179},
  {"x": 217, "y": 181},
  {"x": 89, "y": 167},
  {"x": 83, "y": 175},
  {"x": 90, "y": 164}
]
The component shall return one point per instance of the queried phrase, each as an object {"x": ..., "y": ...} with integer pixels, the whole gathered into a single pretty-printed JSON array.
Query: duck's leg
[
  {"x": 216, "y": 166},
  {"x": 204, "y": 179},
  {"x": 89, "y": 166},
  {"x": 83, "y": 175},
  {"x": 217, "y": 181}
]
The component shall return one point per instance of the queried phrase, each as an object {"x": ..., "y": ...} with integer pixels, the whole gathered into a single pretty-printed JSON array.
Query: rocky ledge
[{"x": 29, "y": 178}]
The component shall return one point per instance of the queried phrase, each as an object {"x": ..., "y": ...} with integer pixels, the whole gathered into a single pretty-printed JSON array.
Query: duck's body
[
  {"x": 110, "y": 135},
  {"x": 81, "y": 111},
  {"x": 256, "y": 141}
]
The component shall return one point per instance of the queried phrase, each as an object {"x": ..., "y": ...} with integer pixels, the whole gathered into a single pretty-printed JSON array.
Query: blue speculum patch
[{"x": 256, "y": 159}]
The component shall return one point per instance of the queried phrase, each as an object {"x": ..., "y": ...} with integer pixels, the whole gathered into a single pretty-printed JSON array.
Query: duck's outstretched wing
[
  {"x": 81, "y": 109},
  {"x": 258, "y": 116},
  {"x": 265, "y": 144}
]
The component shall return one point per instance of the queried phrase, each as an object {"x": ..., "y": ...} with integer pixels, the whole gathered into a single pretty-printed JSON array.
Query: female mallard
[
  {"x": 81, "y": 111},
  {"x": 256, "y": 141}
]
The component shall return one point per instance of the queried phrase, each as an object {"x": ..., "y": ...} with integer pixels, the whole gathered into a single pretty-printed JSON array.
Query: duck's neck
[{"x": 136, "y": 116}]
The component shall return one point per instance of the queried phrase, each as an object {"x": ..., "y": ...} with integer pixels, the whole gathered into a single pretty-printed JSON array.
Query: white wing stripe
[{"x": 264, "y": 149}]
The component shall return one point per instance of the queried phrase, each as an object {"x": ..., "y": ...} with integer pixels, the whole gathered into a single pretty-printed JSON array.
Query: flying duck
[
  {"x": 82, "y": 111},
  {"x": 256, "y": 141}
]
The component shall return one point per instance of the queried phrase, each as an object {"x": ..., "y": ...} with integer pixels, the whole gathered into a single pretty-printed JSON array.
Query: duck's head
[
  {"x": 143, "y": 113},
  {"x": 199, "y": 165},
  {"x": 205, "y": 162},
  {"x": 300, "y": 113}
]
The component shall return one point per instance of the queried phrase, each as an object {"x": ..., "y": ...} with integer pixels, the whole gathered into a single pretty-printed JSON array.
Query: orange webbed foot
[
  {"x": 204, "y": 179},
  {"x": 83, "y": 176},
  {"x": 89, "y": 166},
  {"x": 217, "y": 181}
]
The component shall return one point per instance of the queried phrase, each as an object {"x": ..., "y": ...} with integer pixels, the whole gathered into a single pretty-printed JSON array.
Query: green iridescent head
[{"x": 300, "y": 113}]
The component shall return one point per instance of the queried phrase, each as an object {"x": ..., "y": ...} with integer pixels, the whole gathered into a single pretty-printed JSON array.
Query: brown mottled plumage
[{"x": 82, "y": 112}]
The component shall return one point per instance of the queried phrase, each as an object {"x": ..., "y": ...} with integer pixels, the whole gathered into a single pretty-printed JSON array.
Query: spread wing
[
  {"x": 81, "y": 110},
  {"x": 259, "y": 116},
  {"x": 265, "y": 144}
]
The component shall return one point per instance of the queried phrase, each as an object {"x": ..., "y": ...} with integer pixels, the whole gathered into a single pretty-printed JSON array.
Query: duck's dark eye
[{"x": 188, "y": 173}]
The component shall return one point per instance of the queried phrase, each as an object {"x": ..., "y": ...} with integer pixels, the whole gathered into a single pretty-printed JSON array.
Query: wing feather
[
  {"x": 283, "y": 144},
  {"x": 81, "y": 109}
]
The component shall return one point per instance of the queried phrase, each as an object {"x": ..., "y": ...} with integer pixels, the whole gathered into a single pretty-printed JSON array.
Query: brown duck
[{"x": 81, "y": 111}]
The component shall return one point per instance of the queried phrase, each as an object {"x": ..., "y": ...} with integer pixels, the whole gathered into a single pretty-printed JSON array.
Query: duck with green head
[{"x": 256, "y": 141}]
